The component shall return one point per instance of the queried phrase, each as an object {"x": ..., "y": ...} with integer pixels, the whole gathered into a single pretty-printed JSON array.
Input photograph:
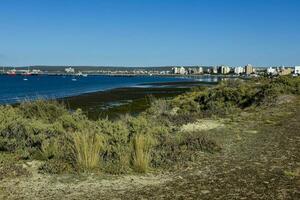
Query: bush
[
  {"x": 74, "y": 121},
  {"x": 116, "y": 151},
  {"x": 197, "y": 141},
  {"x": 56, "y": 166},
  {"x": 48, "y": 111},
  {"x": 181, "y": 148},
  {"x": 158, "y": 107}
]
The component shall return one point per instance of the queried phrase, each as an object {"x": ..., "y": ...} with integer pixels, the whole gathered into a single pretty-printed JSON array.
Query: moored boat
[{"x": 11, "y": 72}]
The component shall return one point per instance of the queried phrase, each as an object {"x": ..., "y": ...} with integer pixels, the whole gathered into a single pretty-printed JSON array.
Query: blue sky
[{"x": 149, "y": 32}]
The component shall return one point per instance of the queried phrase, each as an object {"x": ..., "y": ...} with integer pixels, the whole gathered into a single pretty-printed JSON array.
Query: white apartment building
[
  {"x": 297, "y": 70},
  {"x": 271, "y": 70},
  {"x": 224, "y": 69},
  {"x": 239, "y": 70},
  {"x": 200, "y": 70},
  {"x": 179, "y": 70}
]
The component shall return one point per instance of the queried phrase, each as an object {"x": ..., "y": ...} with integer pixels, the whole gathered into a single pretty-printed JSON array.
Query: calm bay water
[{"x": 15, "y": 89}]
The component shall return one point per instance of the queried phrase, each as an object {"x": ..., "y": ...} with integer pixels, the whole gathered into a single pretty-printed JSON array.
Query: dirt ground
[{"x": 260, "y": 160}]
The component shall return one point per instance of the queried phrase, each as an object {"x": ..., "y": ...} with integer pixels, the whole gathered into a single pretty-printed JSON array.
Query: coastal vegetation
[{"x": 169, "y": 134}]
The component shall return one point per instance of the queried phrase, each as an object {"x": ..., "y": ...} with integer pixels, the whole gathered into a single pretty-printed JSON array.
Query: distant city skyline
[{"x": 150, "y": 33}]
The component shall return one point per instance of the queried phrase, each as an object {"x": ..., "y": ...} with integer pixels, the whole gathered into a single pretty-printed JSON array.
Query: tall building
[
  {"x": 285, "y": 71},
  {"x": 249, "y": 69},
  {"x": 199, "y": 70},
  {"x": 238, "y": 70},
  {"x": 182, "y": 70},
  {"x": 271, "y": 71},
  {"x": 297, "y": 70},
  {"x": 178, "y": 70},
  {"x": 175, "y": 70},
  {"x": 214, "y": 70},
  {"x": 223, "y": 69}
]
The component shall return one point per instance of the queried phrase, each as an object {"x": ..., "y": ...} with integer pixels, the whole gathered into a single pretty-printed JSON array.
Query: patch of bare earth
[{"x": 86, "y": 186}]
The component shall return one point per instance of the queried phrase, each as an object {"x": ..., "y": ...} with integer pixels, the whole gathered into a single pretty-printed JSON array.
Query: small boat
[
  {"x": 81, "y": 74},
  {"x": 27, "y": 73},
  {"x": 74, "y": 79},
  {"x": 12, "y": 72},
  {"x": 25, "y": 79}
]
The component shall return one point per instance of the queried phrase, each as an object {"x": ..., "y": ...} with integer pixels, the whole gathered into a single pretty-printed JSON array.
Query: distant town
[{"x": 247, "y": 71}]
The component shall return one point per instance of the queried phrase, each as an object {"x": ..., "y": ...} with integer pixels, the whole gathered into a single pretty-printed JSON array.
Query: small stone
[{"x": 205, "y": 191}]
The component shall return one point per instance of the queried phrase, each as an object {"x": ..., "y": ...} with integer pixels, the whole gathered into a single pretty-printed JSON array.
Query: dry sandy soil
[{"x": 260, "y": 160}]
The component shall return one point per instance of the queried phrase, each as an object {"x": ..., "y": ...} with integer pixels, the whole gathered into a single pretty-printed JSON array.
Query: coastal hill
[{"x": 236, "y": 140}]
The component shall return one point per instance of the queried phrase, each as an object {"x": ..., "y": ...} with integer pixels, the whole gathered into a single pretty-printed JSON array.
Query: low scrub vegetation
[{"x": 69, "y": 142}]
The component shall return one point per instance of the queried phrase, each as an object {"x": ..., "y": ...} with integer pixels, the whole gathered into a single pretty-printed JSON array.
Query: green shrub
[
  {"x": 159, "y": 107},
  {"x": 146, "y": 125},
  {"x": 48, "y": 110},
  {"x": 74, "y": 121},
  {"x": 116, "y": 151},
  {"x": 197, "y": 141},
  {"x": 180, "y": 148},
  {"x": 56, "y": 166},
  {"x": 50, "y": 148}
]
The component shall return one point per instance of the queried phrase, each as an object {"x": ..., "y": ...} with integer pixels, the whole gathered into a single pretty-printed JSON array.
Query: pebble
[{"x": 205, "y": 191}]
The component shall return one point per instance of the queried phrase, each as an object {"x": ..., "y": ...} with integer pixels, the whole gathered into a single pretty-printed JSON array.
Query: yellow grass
[
  {"x": 87, "y": 148},
  {"x": 141, "y": 157}
]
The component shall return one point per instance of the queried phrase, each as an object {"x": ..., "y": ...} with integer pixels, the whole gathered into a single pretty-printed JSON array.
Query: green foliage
[
  {"x": 232, "y": 95},
  {"x": 43, "y": 110},
  {"x": 10, "y": 166},
  {"x": 158, "y": 107},
  {"x": 56, "y": 166},
  {"x": 197, "y": 141},
  {"x": 116, "y": 152},
  {"x": 181, "y": 148}
]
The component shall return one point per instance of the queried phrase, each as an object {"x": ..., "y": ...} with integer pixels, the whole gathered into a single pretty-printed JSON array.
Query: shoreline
[
  {"x": 132, "y": 100},
  {"x": 12, "y": 99},
  {"x": 113, "y": 102}
]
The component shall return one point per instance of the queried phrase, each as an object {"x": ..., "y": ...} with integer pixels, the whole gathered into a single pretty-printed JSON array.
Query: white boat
[
  {"x": 81, "y": 74},
  {"x": 12, "y": 72}
]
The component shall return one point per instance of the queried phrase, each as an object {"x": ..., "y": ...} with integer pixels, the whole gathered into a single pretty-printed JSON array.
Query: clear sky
[{"x": 149, "y": 32}]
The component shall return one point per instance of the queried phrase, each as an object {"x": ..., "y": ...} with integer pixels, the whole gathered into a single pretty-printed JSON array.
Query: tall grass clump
[
  {"x": 141, "y": 152},
  {"x": 86, "y": 149}
]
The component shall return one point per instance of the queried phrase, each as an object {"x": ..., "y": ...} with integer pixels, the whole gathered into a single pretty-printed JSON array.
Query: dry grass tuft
[
  {"x": 86, "y": 149},
  {"x": 141, "y": 155}
]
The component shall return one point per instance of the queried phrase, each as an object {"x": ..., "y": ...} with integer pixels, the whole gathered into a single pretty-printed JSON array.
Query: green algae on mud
[{"x": 129, "y": 100}]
